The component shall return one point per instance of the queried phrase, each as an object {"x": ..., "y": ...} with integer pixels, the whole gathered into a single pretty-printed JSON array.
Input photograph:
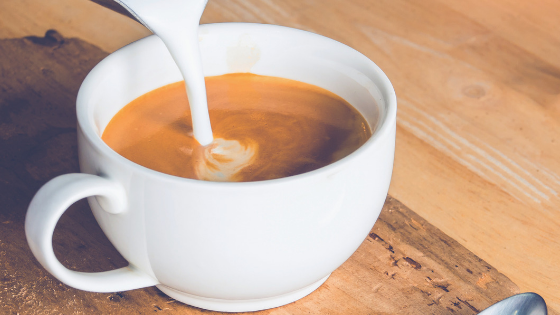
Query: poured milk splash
[
  {"x": 175, "y": 22},
  {"x": 222, "y": 160}
]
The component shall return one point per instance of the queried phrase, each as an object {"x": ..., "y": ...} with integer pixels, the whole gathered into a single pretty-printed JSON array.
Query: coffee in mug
[{"x": 264, "y": 128}]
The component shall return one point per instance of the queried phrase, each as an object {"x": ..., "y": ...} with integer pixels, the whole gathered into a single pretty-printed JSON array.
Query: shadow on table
[{"x": 37, "y": 143}]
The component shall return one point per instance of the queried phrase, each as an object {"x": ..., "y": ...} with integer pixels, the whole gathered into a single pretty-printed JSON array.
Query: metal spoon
[
  {"x": 125, "y": 5},
  {"x": 520, "y": 304}
]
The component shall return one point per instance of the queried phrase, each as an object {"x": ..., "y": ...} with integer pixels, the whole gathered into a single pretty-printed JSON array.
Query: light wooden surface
[{"x": 478, "y": 87}]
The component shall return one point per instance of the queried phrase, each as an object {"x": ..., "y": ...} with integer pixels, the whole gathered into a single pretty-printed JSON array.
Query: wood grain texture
[
  {"x": 405, "y": 265},
  {"x": 479, "y": 105}
]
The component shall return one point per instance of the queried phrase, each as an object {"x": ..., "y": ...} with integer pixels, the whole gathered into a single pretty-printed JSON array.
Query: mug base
[{"x": 240, "y": 305}]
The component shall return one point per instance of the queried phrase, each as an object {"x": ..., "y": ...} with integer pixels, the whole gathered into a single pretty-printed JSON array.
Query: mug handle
[{"x": 45, "y": 210}]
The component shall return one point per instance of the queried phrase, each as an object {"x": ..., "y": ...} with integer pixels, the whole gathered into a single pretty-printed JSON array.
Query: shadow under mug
[{"x": 223, "y": 246}]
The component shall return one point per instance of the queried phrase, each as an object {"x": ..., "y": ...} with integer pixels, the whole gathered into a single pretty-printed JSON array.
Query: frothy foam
[{"x": 223, "y": 160}]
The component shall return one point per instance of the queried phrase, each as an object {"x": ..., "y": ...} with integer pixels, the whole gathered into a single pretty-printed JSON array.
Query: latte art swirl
[{"x": 223, "y": 159}]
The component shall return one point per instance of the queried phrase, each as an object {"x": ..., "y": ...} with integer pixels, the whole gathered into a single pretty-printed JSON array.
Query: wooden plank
[{"x": 405, "y": 265}]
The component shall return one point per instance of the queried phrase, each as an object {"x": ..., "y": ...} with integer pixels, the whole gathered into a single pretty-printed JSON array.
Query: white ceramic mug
[{"x": 223, "y": 246}]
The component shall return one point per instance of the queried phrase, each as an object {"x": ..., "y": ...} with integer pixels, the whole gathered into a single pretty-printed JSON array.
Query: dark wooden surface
[{"x": 405, "y": 266}]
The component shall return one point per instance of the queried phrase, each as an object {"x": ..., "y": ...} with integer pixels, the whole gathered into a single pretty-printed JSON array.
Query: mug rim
[{"x": 386, "y": 121}]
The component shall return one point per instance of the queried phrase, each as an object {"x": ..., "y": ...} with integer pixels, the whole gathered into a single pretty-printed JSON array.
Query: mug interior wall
[{"x": 261, "y": 49}]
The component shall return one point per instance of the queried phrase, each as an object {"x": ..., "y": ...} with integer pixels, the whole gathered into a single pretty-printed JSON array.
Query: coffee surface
[{"x": 264, "y": 128}]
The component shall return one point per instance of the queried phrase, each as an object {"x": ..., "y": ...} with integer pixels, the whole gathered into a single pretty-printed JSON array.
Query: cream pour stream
[{"x": 176, "y": 22}]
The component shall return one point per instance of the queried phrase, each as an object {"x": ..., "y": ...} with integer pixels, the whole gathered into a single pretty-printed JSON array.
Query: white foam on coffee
[
  {"x": 175, "y": 22},
  {"x": 223, "y": 160}
]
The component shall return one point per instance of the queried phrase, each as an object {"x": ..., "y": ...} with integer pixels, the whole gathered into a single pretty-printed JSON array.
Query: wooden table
[{"x": 478, "y": 88}]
